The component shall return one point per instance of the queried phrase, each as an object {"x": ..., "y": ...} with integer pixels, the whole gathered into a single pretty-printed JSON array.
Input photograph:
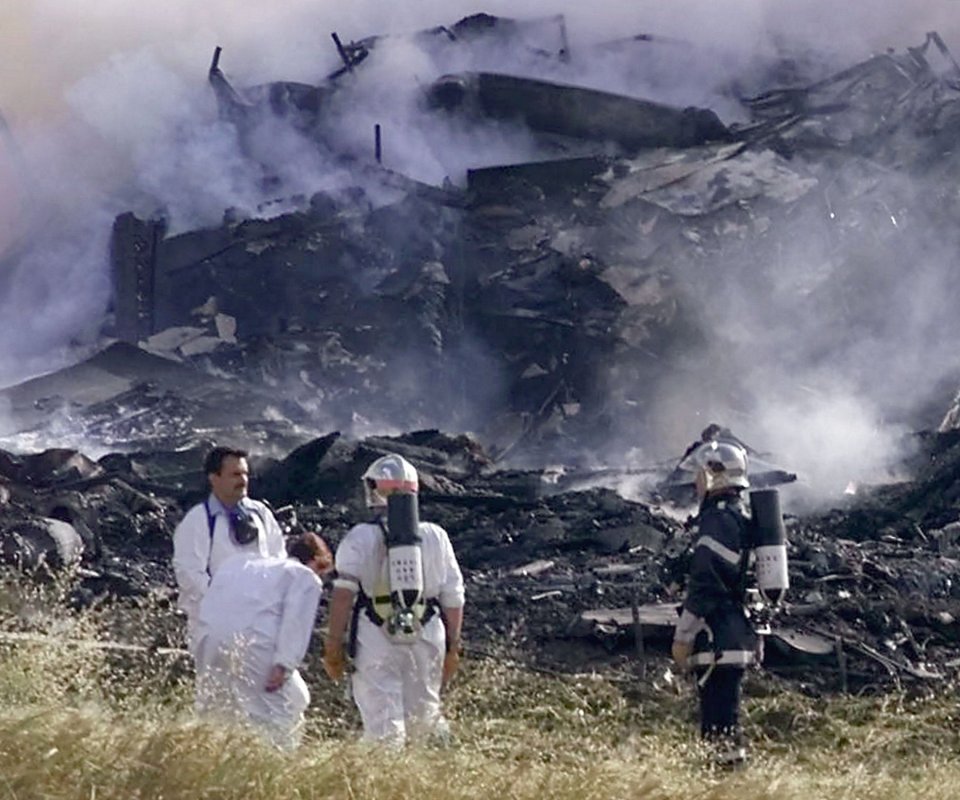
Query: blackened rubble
[
  {"x": 576, "y": 112},
  {"x": 879, "y": 107},
  {"x": 556, "y": 580},
  {"x": 525, "y": 306},
  {"x": 540, "y": 299}
]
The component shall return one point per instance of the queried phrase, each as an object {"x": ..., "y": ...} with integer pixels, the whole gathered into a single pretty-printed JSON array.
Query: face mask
[{"x": 242, "y": 527}]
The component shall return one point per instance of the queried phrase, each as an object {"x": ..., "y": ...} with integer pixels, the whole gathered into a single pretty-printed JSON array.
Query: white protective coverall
[
  {"x": 396, "y": 686},
  {"x": 257, "y": 613},
  {"x": 197, "y": 555}
]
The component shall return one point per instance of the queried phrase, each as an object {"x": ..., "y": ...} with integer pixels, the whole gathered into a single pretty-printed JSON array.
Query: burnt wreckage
[
  {"x": 462, "y": 283},
  {"x": 559, "y": 579},
  {"x": 275, "y": 327},
  {"x": 569, "y": 286}
]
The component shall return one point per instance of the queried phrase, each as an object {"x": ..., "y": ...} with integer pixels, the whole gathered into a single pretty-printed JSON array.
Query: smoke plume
[{"x": 109, "y": 110}]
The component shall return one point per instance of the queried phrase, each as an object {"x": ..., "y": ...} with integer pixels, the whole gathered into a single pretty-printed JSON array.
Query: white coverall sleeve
[
  {"x": 451, "y": 591},
  {"x": 191, "y": 557},
  {"x": 276, "y": 545},
  {"x": 351, "y": 560},
  {"x": 298, "y": 617}
]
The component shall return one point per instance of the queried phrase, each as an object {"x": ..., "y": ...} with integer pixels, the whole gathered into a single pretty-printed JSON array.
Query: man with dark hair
[
  {"x": 253, "y": 628},
  {"x": 213, "y": 463},
  {"x": 225, "y": 524}
]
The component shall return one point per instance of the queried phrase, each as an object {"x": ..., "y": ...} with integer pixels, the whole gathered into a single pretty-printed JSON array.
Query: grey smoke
[{"x": 112, "y": 112}]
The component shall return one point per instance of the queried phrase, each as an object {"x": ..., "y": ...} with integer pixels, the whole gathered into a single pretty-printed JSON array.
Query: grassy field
[{"x": 82, "y": 722}]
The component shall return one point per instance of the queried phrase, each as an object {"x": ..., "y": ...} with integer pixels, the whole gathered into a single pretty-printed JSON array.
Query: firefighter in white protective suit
[
  {"x": 405, "y": 595},
  {"x": 253, "y": 628}
]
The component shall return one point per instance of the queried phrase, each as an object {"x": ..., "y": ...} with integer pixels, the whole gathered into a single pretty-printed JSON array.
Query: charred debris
[
  {"x": 532, "y": 303},
  {"x": 560, "y": 580}
]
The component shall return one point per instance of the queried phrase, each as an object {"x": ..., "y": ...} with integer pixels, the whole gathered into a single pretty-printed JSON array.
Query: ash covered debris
[
  {"x": 572, "y": 111},
  {"x": 553, "y": 302},
  {"x": 566, "y": 114},
  {"x": 537, "y": 300},
  {"x": 878, "y": 107},
  {"x": 559, "y": 580},
  {"x": 424, "y": 278}
]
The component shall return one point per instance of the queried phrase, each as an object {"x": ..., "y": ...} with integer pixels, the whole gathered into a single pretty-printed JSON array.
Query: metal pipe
[{"x": 342, "y": 52}]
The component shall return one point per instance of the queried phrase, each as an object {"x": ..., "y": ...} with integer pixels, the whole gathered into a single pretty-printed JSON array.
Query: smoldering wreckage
[{"x": 335, "y": 311}]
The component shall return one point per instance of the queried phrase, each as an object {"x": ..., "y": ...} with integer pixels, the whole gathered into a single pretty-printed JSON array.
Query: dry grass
[{"x": 79, "y": 723}]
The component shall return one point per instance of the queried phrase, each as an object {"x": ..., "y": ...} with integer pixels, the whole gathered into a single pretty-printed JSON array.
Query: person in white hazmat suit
[
  {"x": 225, "y": 524},
  {"x": 253, "y": 628},
  {"x": 397, "y": 678}
]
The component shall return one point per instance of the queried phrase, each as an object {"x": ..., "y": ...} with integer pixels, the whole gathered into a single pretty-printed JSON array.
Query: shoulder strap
[
  {"x": 746, "y": 545},
  {"x": 255, "y": 508},
  {"x": 354, "y": 616},
  {"x": 211, "y": 519},
  {"x": 211, "y": 524}
]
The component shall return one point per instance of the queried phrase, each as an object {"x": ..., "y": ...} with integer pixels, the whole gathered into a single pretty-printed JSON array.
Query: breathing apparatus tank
[
  {"x": 404, "y": 567},
  {"x": 769, "y": 545}
]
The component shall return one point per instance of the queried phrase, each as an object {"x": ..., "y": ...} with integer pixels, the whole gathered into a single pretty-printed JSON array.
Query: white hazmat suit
[
  {"x": 257, "y": 613},
  {"x": 396, "y": 686},
  {"x": 203, "y": 541}
]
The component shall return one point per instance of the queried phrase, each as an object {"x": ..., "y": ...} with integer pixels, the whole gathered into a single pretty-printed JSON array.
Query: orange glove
[{"x": 334, "y": 661}]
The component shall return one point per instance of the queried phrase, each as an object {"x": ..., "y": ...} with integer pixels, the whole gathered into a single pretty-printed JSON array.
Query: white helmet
[
  {"x": 386, "y": 475},
  {"x": 722, "y": 464}
]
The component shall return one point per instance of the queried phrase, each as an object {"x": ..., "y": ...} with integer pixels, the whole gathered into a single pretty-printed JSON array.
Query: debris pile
[
  {"x": 541, "y": 303},
  {"x": 560, "y": 580},
  {"x": 533, "y": 302}
]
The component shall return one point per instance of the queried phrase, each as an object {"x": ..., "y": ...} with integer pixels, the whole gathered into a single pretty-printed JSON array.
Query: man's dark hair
[
  {"x": 215, "y": 458},
  {"x": 309, "y": 545}
]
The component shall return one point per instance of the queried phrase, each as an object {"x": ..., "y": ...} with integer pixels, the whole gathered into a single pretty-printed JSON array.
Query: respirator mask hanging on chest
[{"x": 243, "y": 528}]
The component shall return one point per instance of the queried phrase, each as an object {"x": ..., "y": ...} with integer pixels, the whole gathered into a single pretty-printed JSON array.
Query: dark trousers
[{"x": 720, "y": 703}]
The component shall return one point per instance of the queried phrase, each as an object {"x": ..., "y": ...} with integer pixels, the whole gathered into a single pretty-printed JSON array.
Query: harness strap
[
  {"x": 366, "y": 604},
  {"x": 354, "y": 617},
  {"x": 431, "y": 604},
  {"x": 746, "y": 546},
  {"x": 211, "y": 524}
]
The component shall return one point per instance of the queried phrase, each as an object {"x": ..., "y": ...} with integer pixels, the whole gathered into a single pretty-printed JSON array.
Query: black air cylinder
[
  {"x": 769, "y": 544},
  {"x": 404, "y": 561},
  {"x": 403, "y": 519}
]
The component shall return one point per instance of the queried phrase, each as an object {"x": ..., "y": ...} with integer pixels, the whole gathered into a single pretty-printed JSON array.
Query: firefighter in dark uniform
[{"x": 714, "y": 636}]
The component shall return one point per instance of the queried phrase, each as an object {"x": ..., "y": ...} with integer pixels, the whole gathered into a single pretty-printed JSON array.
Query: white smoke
[{"x": 110, "y": 107}]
